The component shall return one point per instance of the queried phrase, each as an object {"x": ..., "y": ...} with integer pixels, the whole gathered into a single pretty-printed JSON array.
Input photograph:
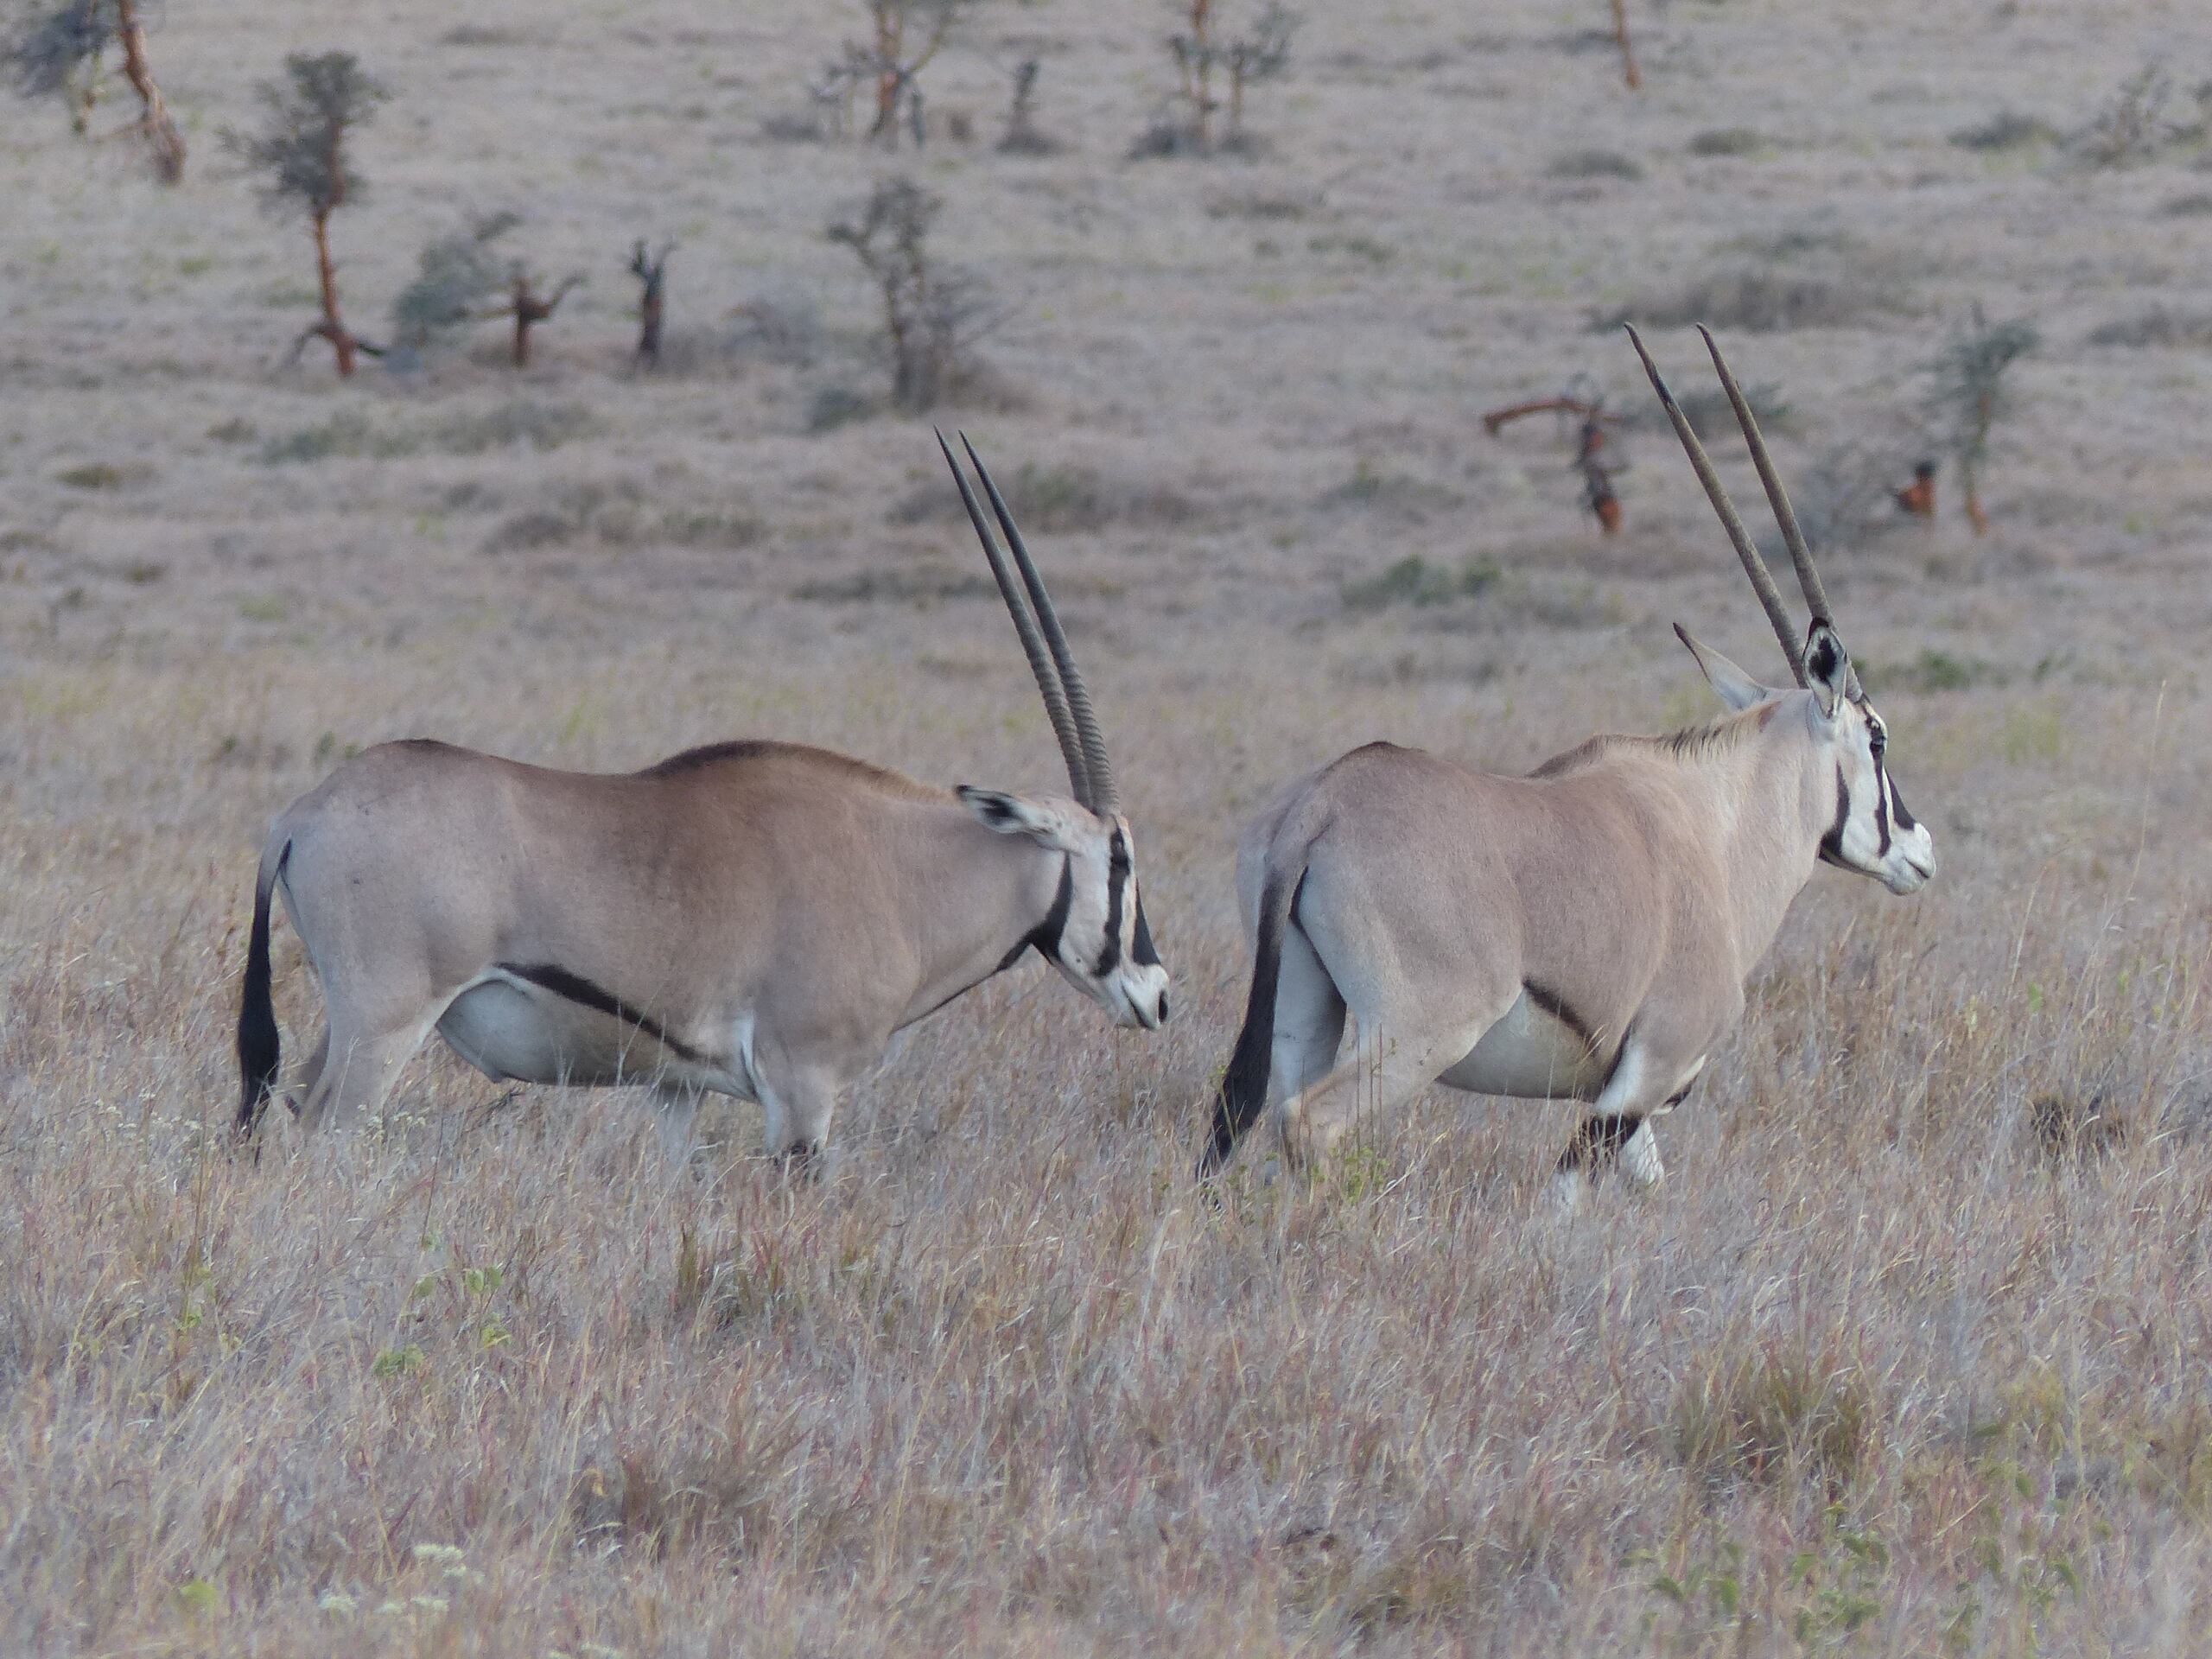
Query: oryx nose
[{"x": 1161, "y": 1018}]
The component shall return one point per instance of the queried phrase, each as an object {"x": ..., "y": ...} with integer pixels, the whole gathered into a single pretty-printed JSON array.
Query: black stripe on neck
[{"x": 578, "y": 989}]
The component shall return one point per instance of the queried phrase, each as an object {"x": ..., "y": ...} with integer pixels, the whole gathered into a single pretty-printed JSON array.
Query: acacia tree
[
  {"x": 63, "y": 50},
  {"x": 931, "y": 315},
  {"x": 651, "y": 272},
  {"x": 301, "y": 147},
  {"x": 1261, "y": 53},
  {"x": 1967, "y": 395}
]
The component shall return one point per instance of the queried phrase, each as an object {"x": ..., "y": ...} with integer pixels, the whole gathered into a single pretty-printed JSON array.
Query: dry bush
[{"x": 933, "y": 313}]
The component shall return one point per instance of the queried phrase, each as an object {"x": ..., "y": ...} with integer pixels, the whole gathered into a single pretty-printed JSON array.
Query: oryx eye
[{"x": 1876, "y": 739}]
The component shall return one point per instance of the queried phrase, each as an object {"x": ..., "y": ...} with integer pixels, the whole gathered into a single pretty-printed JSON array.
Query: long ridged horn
[
  {"x": 1103, "y": 799},
  {"x": 1777, "y": 612},
  {"x": 1032, "y": 644},
  {"x": 1800, "y": 551}
]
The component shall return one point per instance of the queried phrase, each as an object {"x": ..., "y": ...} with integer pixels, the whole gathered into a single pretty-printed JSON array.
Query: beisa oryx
[
  {"x": 1582, "y": 933},
  {"x": 752, "y": 918}
]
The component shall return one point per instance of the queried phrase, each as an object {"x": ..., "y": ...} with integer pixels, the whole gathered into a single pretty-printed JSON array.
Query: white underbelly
[
  {"x": 513, "y": 1031},
  {"x": 1534, "y": 1055}
]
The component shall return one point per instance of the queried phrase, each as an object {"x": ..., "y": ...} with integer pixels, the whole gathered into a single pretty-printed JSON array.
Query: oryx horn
[
  {"x": 1103, "y": 799},
  {"x": 1755, "y": 566},
  {"x": 1800, "y": 551},
  {"x": 1033, "y": 645}
]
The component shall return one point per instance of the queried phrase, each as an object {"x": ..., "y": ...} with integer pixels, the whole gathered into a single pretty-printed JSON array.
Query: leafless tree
[
  {"x": 1202, "y": 58},
  {"x": 1967, "y": 395},
  {"x": 62, "y": 50},
  {"x": 1022, "y": 136},
  {"x": 931, "y": 316},
  {"x": 651, "y": 272},
  {"x": 307, "y": 118}
]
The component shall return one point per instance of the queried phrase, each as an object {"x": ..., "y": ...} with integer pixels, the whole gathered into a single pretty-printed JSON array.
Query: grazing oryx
[
  {"x": 751, "y": 918},
  {"x": 1582, "y": 933}
]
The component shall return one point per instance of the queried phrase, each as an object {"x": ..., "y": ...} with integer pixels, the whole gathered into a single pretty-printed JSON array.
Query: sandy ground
[{"x": 1907, "y": 1356}]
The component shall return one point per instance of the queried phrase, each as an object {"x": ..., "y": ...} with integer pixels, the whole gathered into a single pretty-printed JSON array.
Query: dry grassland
[{"x": 1909, "y": 1354}]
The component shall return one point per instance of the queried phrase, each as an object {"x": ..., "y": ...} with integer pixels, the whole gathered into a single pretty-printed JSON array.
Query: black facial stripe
[
  {"x": 1882, "y": 818},
  {"x": 1047, "y": 938},
  {"x": 1832, "y": 842},
  {"x": 1140, "y": 950},
  {"x": 1905, "y": 820},
  {"x": 1117, "y": 875},
  {"x": 577, "y": 988}
]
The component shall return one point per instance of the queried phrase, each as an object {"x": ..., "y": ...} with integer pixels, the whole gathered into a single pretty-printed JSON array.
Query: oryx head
[
  {"x": 1096, "y": 934},
  {"x": 1873, "y": 834}
]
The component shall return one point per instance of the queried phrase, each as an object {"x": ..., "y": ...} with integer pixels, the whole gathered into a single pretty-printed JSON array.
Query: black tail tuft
[
  {"x": 1244, "y": 1085},
  {"x": 260, "y": 1049}
]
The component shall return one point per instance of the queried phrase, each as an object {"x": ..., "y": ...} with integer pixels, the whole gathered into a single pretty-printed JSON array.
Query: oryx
[
  {"x": 752, "y": 918},
  {"x": 1582, "y": 933}
]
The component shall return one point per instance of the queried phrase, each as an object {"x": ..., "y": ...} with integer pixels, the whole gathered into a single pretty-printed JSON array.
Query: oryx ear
[
  {"x": 1017, "y": 815},
  {"x": 1827, "y": 667},
  {"x": 1737, "y": 688}
]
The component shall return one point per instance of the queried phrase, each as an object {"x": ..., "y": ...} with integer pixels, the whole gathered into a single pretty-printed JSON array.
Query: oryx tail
[
  {"x": 260, "y": 1048},
  {"x": 1244, "y": 1085}
]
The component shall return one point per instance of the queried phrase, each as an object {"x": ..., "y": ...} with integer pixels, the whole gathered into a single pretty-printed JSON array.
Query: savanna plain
[{"x": 1910, "y": 1352}]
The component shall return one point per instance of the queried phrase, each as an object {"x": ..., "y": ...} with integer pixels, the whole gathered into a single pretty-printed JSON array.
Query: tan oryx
[
  {"x": 752, "y": 919},
  {"x": 1582, "y": 933}
]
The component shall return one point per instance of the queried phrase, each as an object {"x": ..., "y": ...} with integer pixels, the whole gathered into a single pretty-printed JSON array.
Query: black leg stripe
[{"x": 578, "y": 989}]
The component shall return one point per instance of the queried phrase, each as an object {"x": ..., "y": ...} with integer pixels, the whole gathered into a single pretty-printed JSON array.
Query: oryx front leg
[
  {"x": 676, "y": 1114},
  {"x": 796, "y": 1103},
  {"x": 1617, "y": 1131}
]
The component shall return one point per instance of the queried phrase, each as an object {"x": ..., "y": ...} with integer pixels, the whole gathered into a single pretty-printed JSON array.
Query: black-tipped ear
[
  {"x": 1017, "y": 815},
  {"x": 998, "y": 809},
  {"x": 1828, "y": 666},
  {"x": 1733, "y": 687}
]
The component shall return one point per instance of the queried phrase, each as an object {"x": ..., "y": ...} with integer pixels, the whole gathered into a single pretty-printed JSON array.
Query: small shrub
[
  {"x": 2156, "y": 327},
  {"x": 1754, "y": 1413},
  {"x": 93, "y": 475},
  {"x": 918, "y": 585},
  {"x": 1752, "y": 301},
  {"x": 521, "y": 421},
  {"x": 932, "y": 315},
  {"x": 1413, "y": 581},
  {"x": 1728, "y": 141},
  {"x": 2008, "y": 130},
  {"x": 1594, "y": 164},
  {"x": 2133, "y": 126},
  {"x": 832, "y": 407},
  {"x": 456, "y": 277}
]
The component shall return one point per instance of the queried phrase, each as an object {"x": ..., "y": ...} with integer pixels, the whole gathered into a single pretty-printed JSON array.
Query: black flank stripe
[
  {"x": 1555, "y": 1005},
  {"x": 578, "y": 989}
]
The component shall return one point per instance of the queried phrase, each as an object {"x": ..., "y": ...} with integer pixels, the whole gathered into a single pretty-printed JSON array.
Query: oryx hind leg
[
  {"x": 1390, "y": 1062},
  {"x": 1309, "y": 1020},
  {"x": 359, "y": 1068}
]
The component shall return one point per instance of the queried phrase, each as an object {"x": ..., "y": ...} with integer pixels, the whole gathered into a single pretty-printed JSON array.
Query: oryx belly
[
  {"x": 1533, "y": 1053},
  {"x": 512, "y": 1029}
]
